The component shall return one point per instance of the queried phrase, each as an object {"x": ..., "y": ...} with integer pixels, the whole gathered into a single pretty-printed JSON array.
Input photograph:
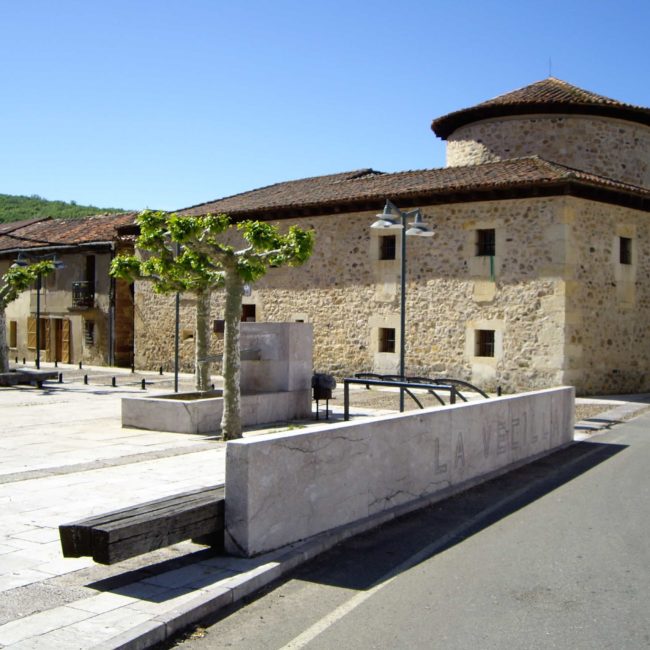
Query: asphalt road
[{"x": 555, "y": 555}]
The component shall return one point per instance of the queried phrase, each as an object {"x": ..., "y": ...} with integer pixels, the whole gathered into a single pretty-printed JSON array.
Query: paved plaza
[{"x": 64, "y": 456}]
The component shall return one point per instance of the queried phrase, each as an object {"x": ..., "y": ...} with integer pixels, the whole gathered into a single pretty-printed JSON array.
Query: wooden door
[
  {"x": 31, "y": 333},
  {"x": 58, "y": 340},
  {"x": 65, "y": 340},
  {"x": 47, "y": 339}
]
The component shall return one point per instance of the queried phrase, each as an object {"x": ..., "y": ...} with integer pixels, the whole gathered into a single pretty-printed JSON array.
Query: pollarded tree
[
  {"x": 16, "y": 280},
  {"x": 265, "y": 246},
  {"x": 208, "y": 260},
  {"x": 171, "y": 270}
]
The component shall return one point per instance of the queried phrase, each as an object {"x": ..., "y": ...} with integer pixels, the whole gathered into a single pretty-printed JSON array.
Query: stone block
[{"x": 285, "y": 360}]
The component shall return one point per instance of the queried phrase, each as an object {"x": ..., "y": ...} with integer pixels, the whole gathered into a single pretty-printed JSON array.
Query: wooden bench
[{"x": 119, "y": 535}]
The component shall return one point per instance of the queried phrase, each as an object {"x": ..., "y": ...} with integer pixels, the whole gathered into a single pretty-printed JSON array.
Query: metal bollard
[
  {"x": 86, "y": 380},
  {"x": 24, "y": 362},
  {"x": 498, "y": 391},
  {"x": 143, "y": 385},
  {"x": 60, "y": 378},
  {"x": 113, "y": 382},
  {"x": 80, "y": 366},
  {"x": 161, "y": 370},
  {"x": 16, "y": 359},
  {"x": 132, "y": 368},
  {"x": 56, "y": 363}
]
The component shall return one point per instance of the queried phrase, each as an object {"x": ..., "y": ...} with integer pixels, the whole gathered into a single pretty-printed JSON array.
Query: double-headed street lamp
[
  {"x": 25, "y": 259},
  {"x": 395, "y": 219}
]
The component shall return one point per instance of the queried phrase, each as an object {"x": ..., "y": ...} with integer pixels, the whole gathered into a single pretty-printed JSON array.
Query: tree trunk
[
  {"x": 231, "y": 419},
  {"x": 202, "y": 341},
  {"x": 4, "y": 349}
]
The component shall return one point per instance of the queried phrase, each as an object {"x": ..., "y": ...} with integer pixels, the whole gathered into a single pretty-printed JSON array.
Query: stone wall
[
  {"x": 560, "y": 312},
  {"x": 605, "y": 146},
  {"x": 347, "y": 293},
  {"x": 608, "y": 303}
]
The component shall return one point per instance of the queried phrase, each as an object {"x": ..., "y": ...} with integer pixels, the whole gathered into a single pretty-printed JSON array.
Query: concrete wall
[
  {"x": 285, "y": 487},
  {"x": 605, "y": 146},
  {"x": 285, "y": 357}
]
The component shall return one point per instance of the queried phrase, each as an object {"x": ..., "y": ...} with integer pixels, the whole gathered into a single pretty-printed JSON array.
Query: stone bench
[
  {"x": 115, "y": 536},
  {"x": 27, "y": 376}
]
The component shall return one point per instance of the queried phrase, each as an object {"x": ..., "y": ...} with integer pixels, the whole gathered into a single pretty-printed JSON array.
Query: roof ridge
[
  {"x": 358, "y": 172},
  {"x": 23, "y": 223}
]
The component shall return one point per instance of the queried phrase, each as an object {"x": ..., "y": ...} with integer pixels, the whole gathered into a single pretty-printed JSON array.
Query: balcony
[{"x": 83, "y": 295}]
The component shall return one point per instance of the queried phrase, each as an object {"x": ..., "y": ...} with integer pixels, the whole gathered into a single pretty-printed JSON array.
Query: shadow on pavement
[{"x": 361, "y": 562}]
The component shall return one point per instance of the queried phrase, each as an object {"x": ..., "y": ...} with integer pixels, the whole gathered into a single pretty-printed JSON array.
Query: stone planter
[{"x": 201, "y": 413}]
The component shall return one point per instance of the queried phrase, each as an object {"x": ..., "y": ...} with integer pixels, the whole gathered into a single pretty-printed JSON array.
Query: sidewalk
[{"x": 64, "y": 456}]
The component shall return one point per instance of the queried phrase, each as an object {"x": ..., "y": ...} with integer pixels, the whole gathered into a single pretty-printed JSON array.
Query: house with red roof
[{"x": 79, "y": 314}]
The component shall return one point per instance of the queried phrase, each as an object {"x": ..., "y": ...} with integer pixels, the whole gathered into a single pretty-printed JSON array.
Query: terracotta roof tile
[
  {"x": 547, "y": 96},
  {"x": 42, "y": 233},
  {"x": 345, "y": 191}
]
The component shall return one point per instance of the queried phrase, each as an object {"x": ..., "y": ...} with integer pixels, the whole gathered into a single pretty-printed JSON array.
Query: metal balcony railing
[{"x": 83, "y": 294}]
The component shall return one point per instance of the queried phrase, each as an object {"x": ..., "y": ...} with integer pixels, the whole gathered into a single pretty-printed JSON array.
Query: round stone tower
[{"x": 555, "y": 121}]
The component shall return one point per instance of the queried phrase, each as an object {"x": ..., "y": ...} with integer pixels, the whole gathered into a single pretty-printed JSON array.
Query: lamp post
[
  {"x": 393, "y": 218},
  {"x": 24, "y": 259}
]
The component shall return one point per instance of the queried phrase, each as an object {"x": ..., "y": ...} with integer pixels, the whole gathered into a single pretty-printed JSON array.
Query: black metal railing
[{"x": 83, "y": 294}]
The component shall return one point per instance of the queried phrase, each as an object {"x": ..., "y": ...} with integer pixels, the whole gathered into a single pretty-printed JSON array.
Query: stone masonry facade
[
  {"x": 554, "y": 267},
  {"x": 608, "y": 147}
]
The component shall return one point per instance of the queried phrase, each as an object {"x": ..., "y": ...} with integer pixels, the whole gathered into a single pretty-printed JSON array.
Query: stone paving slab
[{"x": 64, "y": 456}]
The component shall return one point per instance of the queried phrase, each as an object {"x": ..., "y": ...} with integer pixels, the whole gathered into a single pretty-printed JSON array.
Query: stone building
[
  {"x": 83, "y": 314},
  {"x": 537, "y": 275}
]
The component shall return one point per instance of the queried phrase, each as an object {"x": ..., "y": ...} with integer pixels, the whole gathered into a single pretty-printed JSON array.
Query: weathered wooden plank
[{"x": 118, "y": 535}]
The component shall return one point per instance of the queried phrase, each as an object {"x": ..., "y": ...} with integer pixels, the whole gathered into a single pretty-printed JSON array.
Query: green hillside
[{"x": 17, "y": 208}]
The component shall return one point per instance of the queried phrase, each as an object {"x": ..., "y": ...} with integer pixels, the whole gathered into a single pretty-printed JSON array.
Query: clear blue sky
[{"x": 168, "y": 103}]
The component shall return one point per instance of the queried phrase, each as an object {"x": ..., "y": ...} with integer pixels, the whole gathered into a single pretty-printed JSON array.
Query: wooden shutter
[
  {"x": 65, "y": 341},
  {"x": 31, "y": 333},
  {"x": 48, "y": 340}
]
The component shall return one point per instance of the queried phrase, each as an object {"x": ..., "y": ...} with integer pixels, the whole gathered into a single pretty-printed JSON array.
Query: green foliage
[
  {"x": 170, "y": 268},
  {"x": 20, "y": 278},
  {"x": 18, "y": 208},
  {"x": 204, "y": 257}
]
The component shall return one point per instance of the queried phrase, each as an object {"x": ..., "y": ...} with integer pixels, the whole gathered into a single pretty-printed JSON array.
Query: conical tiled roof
[{"x": 547, "y": 96}]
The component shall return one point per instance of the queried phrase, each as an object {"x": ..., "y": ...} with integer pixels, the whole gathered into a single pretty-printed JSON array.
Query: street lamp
[
  {"x": 25, "y": 259},
  {"x": 393, "y": 218}
]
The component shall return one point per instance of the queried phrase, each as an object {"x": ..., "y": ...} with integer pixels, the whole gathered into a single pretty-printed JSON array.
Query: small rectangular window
[
  {"x": 13, "y": 334},
  {"x": 90, "y": 270},
  {"x": 387, "y": 247},
  {"x": 484, "y": 340},
  {"x": 248, "y": 313},
  {"x": 89, "y": 332},
  {"x": 485, "y": 242},
  {"x": 625, "y": 250},
  {"x": 387, "y": 339}
]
